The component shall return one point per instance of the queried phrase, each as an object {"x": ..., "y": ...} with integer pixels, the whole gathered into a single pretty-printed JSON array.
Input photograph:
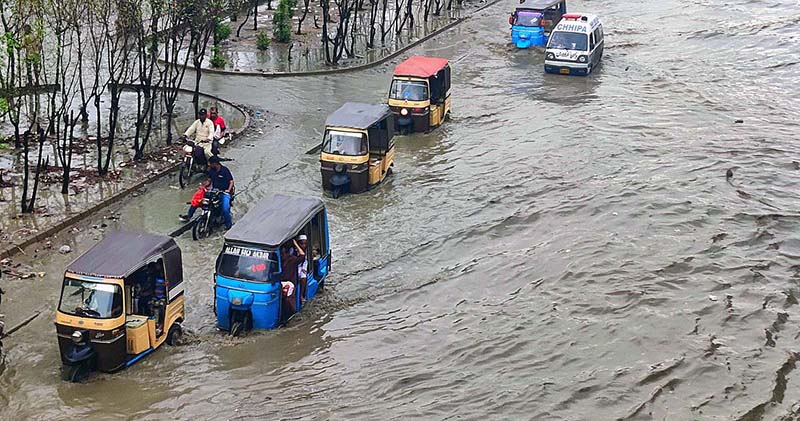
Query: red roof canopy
[{"x": 420, "y": 66}]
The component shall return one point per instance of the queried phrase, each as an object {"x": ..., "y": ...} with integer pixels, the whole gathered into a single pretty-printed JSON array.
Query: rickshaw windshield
[
  {"x": 530, "y": 19},
  {"x": 409, "y": 90},
  {"x": 247, "y": 264},
  {"x": 344, "y": 143},
  {"x": 568, "y": 41},
  {"x": 90, "y": 299}
]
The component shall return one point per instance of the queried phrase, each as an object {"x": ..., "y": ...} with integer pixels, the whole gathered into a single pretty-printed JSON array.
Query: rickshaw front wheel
[
  {"x": 75, "y": 373},
  {"x": 237, "y": 328}
]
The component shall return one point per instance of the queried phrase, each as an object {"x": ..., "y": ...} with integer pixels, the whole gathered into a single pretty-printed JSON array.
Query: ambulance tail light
[{"x": 571, "y": 16}]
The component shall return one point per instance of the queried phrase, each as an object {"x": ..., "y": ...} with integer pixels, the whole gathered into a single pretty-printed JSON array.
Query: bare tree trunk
[
  {"x": 255, "y": 13},
  {"x": 306, "y": 4}
]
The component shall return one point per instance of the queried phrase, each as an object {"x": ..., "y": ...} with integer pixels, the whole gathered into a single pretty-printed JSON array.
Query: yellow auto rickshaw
[
  {"x": 120, "y": 301},
  {"x": 357, "y": 149},
  {"x": 420, "y": 93}
]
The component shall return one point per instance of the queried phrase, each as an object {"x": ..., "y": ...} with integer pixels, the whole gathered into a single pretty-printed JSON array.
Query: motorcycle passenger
[
  {"x": 222, "y": 179},
  {"x": 205, "y": 187},
  {"x": 219, "y": 123},
  {"x": 203, "y": 131}
]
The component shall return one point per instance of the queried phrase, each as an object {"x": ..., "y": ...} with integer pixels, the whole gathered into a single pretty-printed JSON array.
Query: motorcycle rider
[
  {"x": 222, "y": 179},
  {"x": 203, "y": 131}
]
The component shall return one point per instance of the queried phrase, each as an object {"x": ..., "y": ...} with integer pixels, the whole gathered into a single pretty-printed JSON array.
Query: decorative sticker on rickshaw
[
  {"x": 258, "y": 267},
  {"x": 246, "y": 252}
]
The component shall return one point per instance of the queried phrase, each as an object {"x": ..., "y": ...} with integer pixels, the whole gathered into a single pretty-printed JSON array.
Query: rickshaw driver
[{"x": 222, "y": 179}]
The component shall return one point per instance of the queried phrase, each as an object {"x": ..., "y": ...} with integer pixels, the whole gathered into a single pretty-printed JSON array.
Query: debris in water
[
  {"x": 713, "y": 297},
  {"x": 738, "y": 121},
  {"x": 729, "y": 174},
  {"x": 64, "y": 249}
]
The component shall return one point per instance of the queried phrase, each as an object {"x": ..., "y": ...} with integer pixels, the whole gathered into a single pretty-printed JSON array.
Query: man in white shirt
[
  {"x": 203, "y": 131},
  {"x": 302, "y": 268}
]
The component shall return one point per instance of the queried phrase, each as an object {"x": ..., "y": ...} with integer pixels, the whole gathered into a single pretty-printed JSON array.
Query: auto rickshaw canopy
[
  {"x": 358, "y": 116},
  {"x": 274, "y": 220},
  {"x": 420, "y": 66},
  {"x": 121, "y": 253},
  {"x": 538, "y": 5}
]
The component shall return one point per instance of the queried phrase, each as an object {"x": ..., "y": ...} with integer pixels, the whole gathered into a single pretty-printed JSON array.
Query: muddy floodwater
[{"x": 565, "y": 248}]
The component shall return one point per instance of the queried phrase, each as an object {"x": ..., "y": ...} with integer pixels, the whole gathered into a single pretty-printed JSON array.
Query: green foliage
[
  {"x": 217, "y": 60},
  {"x": 282, "y": 21},
  {"x": 263, "y": 41},
  {"x": 3, "y": 106},
  {"x": 221, "y": 32}
]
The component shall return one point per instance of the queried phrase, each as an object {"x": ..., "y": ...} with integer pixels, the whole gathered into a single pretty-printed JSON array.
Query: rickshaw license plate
[{"x": 565, "y": 70}]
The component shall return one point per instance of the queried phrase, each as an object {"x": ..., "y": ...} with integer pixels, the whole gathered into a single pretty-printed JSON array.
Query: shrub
[
  {"x": 282, "y": 21},
  {"x": 262, "y": 41},
  {"x": 217, "y": 60},
  {"x": 221, "y": 32}
]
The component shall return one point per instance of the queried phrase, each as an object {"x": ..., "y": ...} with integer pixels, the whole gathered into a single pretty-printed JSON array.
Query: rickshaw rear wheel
[
  {"x": 337, "y": 192},
  {"x": 175, "y": 334}
]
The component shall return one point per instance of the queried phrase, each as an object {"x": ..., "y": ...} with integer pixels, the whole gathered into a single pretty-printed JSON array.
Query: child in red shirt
[{"x": 205, "y": 187}]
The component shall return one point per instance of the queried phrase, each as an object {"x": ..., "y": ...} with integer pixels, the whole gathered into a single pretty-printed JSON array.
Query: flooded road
[{"x": 564, "y": 248}]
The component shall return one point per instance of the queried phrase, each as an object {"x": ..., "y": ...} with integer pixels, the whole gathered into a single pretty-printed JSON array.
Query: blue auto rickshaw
[
  {"x": 247, "y": 284},
  {"x": 533, "y": 20}
]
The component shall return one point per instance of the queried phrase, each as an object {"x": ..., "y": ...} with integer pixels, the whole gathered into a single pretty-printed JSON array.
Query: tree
[
  {"x": 66, "y": 26},
  {"x": 175, "y": 39},
  {"x": 145, "y": 82}
]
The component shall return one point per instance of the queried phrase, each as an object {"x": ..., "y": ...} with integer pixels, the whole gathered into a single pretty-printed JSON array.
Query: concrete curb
[
  {"x": 17, "y": 247},
  {"x": 390, "y": 56}
]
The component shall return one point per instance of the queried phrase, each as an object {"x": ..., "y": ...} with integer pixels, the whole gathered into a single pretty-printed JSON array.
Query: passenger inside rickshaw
[{"x": 148, "y": 292}]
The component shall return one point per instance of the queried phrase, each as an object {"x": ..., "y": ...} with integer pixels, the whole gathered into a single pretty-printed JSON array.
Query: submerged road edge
[{"x": 15, "y": 248}]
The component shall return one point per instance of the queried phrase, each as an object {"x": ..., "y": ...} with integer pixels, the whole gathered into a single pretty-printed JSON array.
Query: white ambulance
[{"x": 575, "y": 45}]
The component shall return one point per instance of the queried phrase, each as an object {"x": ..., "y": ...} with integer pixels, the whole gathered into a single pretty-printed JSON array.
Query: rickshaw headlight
[
  {"x": 236, "y": 301},
  {"x": 188, "y": 149},
  {"x": 404, "y": 112},
  {"x": 77, "y": 336},
  {"x": 551, "y": 56},
  {"x": 582, "y": 59}
]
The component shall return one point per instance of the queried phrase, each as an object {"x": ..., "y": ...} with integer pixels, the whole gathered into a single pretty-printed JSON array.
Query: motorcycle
[
  {"x": 211, "y": 215},
  {"x": 194, "y": 159}
]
